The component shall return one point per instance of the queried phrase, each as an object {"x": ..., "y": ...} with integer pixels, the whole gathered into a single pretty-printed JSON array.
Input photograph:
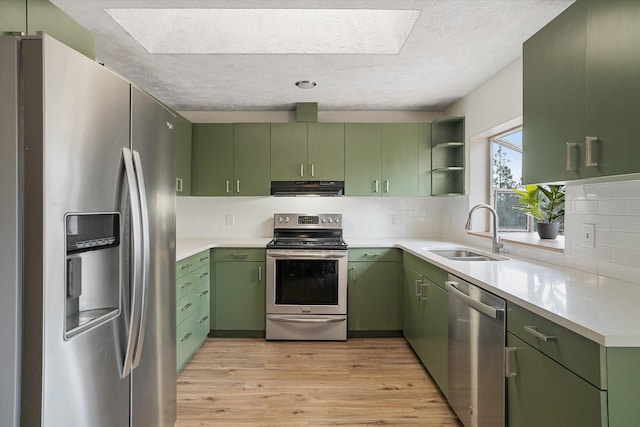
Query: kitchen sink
[{"x": 463, "y": 254}]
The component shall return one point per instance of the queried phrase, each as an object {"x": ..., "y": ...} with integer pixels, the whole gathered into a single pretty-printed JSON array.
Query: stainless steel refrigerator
[{"x": 87, "y": 241}]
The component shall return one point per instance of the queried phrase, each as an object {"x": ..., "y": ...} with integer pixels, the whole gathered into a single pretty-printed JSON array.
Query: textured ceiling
[{"x": 454, "y": 46}]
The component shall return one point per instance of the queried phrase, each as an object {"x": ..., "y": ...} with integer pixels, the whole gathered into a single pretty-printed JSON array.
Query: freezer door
[
  {"x": 154, "y": 373},
  {"x": 76, "y": 122}
]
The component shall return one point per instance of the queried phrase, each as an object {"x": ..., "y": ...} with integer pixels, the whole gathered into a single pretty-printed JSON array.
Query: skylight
[{"x": 263, "y": 31}]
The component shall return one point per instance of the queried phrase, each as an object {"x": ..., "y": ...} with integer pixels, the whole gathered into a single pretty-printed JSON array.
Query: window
[{"x": 506, "y": 161}]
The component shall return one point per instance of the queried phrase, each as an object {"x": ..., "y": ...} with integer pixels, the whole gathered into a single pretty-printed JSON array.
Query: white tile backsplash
[
  {"x": 614, "y": 208},
  {"x": 362, "y": 216}
]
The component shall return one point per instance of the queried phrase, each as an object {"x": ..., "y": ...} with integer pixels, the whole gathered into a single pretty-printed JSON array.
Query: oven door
[{"x": 306, "y": 281}]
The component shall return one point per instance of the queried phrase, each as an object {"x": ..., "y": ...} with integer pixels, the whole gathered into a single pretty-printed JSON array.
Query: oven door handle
[
  {"x": 290, "y": 319},
  {"x": 305, "y": 255}
]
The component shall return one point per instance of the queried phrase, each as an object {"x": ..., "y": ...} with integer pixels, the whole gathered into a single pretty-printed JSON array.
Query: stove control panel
[{"x": 307, "y": 221}]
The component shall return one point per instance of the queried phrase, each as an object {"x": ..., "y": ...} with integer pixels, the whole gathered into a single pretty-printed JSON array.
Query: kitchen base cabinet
[
  {"x": 193, "y": 299},
  {"x": 425, "y": 316},
  {"x": 545, "y": 393},
  {"x": 373, "y": 292},
  {"x": 240, "y": 292}
]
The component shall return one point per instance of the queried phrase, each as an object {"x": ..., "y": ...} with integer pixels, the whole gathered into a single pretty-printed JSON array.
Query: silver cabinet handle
[
  {"x": 204, "y": 275},
  {"x": 186, "y": 285},
  {"x": 204, "y": 319},
  {"x": 238, "y": 186},
  {"x": 571, "y": 151},
  {"x": 186, "y": 307},
  {"x": 260, "y": 274},
  {"x": 386, "y": 186},
  {"x": 375, "y": 254},
  {"x": 228, "y": 188},
  {"x": 179, "y": 185},
  {"x": 507, "y": 362},
  {"x": 533, "y": 330},
  {"x": 422, "y": 286},
  {"x": 186, "y": 337},
  {"x": 590, "y": 162},
  {"x": 352, "y": 272},
  {"x": 418, "y": 285},
  {"x": 313, "y": 170},
  {"x": 204, "y": 293},
  {"x": 204, "y": 258},
  {"x": 239, "y": 254},
  {"x": 375, "y": 186},
  {"x": 185, "y": 266},
  {"x": 301, "y": 170}
]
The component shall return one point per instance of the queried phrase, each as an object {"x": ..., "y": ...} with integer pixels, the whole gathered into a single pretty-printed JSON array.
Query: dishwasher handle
[{"x": 495, "y": 313}]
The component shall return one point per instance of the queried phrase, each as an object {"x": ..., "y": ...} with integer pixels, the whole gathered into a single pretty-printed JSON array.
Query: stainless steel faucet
[{"x": 497, "y": 245}]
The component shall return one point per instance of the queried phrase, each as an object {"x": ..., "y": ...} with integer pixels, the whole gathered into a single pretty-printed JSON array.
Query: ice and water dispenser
[{"x": 92, "y": 270}]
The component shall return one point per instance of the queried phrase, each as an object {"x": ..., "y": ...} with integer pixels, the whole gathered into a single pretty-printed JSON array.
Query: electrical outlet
[
  {"x": 394, "y": 219},
  {"x": 588, "y": 235},
  {"x": 231, "y": 220}
]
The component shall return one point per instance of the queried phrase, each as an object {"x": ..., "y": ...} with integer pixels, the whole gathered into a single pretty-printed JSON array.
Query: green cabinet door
[
  {"x": 373, "y": 296},
  {"x": 613, "y": 86},
  {"x": 363, "y": 159},
  {"x": 400, "y": 161},
  {"x": 240, "y": 296},
  {"x": 13, "y": 16},
  {"x": 251, "y": 159},
  {"x": 424, "y": 155},
  {"x": 325, "y": 151},
  {"x": 411, "y": 309},
  {"x": 544, "y": 393},
  {"x": 183, "y": 156},
  {"x": 554, "y": 62},
  {"x": 435, "y": 320},
  {"x": 212, "y": 159},
  {"x": 289, "y": 152}
]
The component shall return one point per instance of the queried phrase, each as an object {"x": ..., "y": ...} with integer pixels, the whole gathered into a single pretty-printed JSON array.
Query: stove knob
[
  {"x": 286, "y": 220},
  {"x": 280, "y": 219},
  {"x": 330, "y": 220},
  {"x": 323, "y": 220},
  {"x": 337, "y": 220}
]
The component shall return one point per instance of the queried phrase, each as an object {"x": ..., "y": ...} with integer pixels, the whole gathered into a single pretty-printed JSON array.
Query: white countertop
[{"x": 602, "y": 309}]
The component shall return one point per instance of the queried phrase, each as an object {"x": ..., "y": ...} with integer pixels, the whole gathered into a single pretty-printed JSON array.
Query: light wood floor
[{"x": 252, "y": 382}]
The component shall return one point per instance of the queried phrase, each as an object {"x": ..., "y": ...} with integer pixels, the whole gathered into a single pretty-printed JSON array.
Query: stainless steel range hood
[{"x": 307, "y": 188}]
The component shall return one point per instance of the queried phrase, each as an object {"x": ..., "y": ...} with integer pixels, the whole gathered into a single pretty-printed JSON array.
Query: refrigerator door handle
[
  {"x": 146, "y": 257},
  {"x": 136, "y": 231}
]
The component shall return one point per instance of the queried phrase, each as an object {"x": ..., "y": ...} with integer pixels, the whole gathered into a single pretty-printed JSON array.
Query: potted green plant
[{"x": 544, "y": 203}]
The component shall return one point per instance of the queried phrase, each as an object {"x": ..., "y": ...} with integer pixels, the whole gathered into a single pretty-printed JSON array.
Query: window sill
[{"x": 526, "y": 239}]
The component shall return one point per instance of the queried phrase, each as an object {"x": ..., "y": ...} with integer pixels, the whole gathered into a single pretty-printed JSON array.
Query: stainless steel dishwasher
[{"x": 476, "y": 354}]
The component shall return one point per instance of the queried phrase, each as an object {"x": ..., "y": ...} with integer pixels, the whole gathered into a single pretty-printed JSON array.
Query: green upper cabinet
[
  {"x": 212, "y": 159},
  {"x": 31, "y": 16},
  {"x": 447, "y": 157},
  {"x": 400, "y": 161},
  {"x": 581, "y": 93},
  {"x": 325, "y": 151},
  {"x": 230, "y": 159},
  {"x": 424, "y": 154},
  {"x": 183, "y": 156},
  {"x": 381, "y": 159},
  {"x": 307, "y": 152},
  {"x": 363, "y": 159},
  {"x": 288, "y": 151},
  {"x": 251, "y": 151}
]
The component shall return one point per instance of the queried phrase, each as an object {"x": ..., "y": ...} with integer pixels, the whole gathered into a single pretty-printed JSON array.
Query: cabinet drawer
[
  {"x": 428, "y": 270},
  {"x": 185, "y": 306},
  {"x": 187, "y": 283},
  {"x": 240, "y": 254},
  {"x": 201, "y": 259},
  {"x": 202, "y": 295},
  {"x": 192, "y": 263},
  {"x": 186, "y": 340},
  {"x": 202, "y": 321},
  {"x": 575, "y": 352},
  {"x": 373, "y": 254}
]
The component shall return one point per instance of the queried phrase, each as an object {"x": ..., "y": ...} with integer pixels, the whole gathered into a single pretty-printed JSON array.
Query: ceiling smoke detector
[{"x": 306, "y": 84}]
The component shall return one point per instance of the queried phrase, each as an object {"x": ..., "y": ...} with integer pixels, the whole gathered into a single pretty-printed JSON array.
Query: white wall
[
  {"x": 614, "y": 207},
  {"x": 362, "y": 216}
]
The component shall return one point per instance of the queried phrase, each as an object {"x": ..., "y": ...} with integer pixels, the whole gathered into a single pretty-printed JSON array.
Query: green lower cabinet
[
  {"x": 193, "y": 301},
  {"x": 373, "y": 297},
  {"x": 240, "y": 295},
  {"x": 545, "y": 393},
  {"x": 425, "y": 317}
]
